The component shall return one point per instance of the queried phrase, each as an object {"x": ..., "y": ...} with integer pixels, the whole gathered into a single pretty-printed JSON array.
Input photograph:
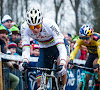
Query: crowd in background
[{"x": 11, "y": 43}]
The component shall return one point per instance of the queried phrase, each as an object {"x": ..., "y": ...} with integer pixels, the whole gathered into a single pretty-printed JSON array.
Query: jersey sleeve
[
  {"x": 25, "y": 44},
  {"x": 76, "y": 48},
  {"x": 98, "y": 51},
  {"x": 59, "y": 40}
]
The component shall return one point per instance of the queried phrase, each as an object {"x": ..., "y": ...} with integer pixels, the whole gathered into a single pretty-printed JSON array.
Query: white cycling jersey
[{"x": 49, "y": 36}]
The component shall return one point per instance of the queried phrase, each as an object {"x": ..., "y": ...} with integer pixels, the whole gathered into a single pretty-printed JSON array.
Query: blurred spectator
[
  {"x": 69, "y": 37},
  {"x": 32, "y": 41},
  {"x": 34, "y": 51},
  {"x": 74, "y": 39},
  {"x": 6, "y": 22},
  {"x": 12, "y": 48},
  {"x": 18, "y": 41},
  {"x": 84, "y": 51},
  {"x": 14, "y": 80},
  {"x": 3, "y": 36},
  {"x": 66, "y": 36},
  {"x": 15, "y": 33},
  {"x": 7, "y": 40}
]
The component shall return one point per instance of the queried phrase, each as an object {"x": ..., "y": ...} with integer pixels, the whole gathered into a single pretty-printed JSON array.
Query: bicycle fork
[{"x": 43, "y": 82}]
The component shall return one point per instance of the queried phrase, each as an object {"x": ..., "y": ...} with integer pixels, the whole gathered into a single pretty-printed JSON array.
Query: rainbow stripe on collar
[{"x": 47, "y": 41}]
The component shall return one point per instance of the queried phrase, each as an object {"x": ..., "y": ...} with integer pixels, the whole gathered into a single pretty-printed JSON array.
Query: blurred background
[{"x": 68, "y": 14}]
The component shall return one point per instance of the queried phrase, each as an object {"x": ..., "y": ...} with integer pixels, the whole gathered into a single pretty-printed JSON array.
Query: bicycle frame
[
  {"x": 43, "y": 85},
  {"x": 86, "y": 72},
  {"x": 84, "y": 81}
]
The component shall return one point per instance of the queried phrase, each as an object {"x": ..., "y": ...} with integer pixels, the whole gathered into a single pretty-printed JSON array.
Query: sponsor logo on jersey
[{"x": 55, "y": 30}]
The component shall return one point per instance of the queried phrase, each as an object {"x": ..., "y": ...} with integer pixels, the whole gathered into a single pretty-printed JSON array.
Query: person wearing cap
[
  {"x": 14, "y": 80},
  {"x": 12, "y": 48},
  {"x": 6, "y": 22},
  {"x": 15, "y": 33},
  {"x": 35, "y": 50},
  {"x": 3, "y": 37},
  {"x": 18, "y": 41}
]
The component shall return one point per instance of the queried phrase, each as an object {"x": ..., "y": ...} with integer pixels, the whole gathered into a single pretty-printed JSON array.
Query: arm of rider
[
  {"x": 96, "y": 68},
  {"x": 70, "y": 66},
  {"x": 63, "y": 66}
]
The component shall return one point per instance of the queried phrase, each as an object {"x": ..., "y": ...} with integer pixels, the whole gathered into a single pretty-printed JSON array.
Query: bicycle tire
[{"x": 79, "y": 87}]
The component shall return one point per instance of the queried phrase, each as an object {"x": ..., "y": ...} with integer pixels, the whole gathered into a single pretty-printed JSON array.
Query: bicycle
[
  {"x": 53, "y": 76},
  {"x": 82, "y": 83}
]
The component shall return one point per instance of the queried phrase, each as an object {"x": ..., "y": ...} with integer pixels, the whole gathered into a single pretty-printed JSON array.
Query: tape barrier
[
  {"x": 17, "y": 57},
  {"x": 79, "y": 61},
  {"x": 32, "y": 59}
]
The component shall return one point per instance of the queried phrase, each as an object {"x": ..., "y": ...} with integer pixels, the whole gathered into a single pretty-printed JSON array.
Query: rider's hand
[
  {"x": 96, "y": 68},
  {"x": 25, "y": 65},
  {"x": 21, "y": 68},
  {"x": 70, "y": 65},
  {"x": 62, "y": 71}
]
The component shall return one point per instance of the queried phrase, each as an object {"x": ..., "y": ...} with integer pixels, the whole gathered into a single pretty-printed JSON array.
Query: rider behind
[
  {"x": 51, "y": 41},
  {"x": 92, "y": 41}
]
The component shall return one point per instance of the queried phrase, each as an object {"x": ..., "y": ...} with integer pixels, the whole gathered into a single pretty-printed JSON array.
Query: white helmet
[{"x": 34, "y": 17}]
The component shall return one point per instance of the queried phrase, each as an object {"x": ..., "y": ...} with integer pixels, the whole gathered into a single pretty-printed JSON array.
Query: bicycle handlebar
[
  {"x": 43, "y": 69},
  {"x": 82, "y": 67}
]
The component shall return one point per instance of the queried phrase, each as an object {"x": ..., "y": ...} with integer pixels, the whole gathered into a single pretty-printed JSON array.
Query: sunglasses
[
  {"x": 37, "y": 26},
  {"x": 84, "y": 38}
]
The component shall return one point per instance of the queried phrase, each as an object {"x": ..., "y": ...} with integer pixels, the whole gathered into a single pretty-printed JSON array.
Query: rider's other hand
[
  {"x": 21, "y": 68},
  {"x": 96, "y": 68},
  {"x": 62, "y": 71},
  {"x": 70, "y": 66},
  {"x": 25, "y": 65}
]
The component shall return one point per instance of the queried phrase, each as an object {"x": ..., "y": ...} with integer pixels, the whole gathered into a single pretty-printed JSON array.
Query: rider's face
[
  {"x": 36, "y": 30},
  {"x": 86, "y": 42}
]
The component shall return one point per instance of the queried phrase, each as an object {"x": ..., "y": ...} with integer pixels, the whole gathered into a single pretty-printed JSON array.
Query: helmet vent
[
  {"x": 35, "y": 11},
  {"x": 31, "y": 12},
  {"x": 35, "y": 19},
  {"x": 28, "y": 21},
  {"x": 38, "y": 20},
  {"x": 39, "y": 14},
  {"x": 31, "y": 19}
]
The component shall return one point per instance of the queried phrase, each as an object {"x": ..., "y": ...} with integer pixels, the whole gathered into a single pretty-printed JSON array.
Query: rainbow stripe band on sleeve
[
  {"x": 47, "y": 41},
  {"x": 68, "y": 57},
  {"x": 60, "y": 43},
  {"x": 26, "y": 45}
]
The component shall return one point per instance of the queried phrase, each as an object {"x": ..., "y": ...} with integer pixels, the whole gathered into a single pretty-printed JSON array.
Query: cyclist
[
  {"x": 92, "y": 41},
  {"x": 50, "y": 39}
]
